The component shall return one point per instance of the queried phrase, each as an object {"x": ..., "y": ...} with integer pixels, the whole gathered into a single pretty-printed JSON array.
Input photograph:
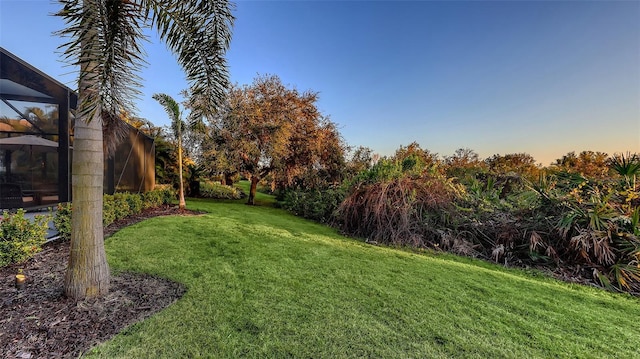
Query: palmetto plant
[
  {"x": 602, "y": 236},
  {"x": 106, "y": 43},
  {"x": 627, "y": 239},
  {"x": 584, "y": 223},
  {"x": 627, "y": 166}
]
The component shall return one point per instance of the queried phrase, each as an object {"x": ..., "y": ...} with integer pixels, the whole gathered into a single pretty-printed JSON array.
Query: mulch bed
[{"x": 40, "y": 322}]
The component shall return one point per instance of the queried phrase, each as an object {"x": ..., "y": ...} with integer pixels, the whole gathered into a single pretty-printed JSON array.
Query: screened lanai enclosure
[{"x": 36, "y": 142}]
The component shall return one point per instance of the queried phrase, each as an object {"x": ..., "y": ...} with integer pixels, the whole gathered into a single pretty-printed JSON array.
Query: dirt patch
[{"x": 40, "y": 322}]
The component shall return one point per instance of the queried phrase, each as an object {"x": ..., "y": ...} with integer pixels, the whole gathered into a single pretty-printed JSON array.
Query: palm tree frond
[
  {"x": 199, "y": 33},
  {"x": 114, "y": 130},
  {"x": 625, "y": 165},
  {"x": 105, "y": 37},
  {"x": 172, "y": 108}
]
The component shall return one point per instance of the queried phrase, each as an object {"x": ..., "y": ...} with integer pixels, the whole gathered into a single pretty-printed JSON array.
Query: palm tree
[
  {"x": 173, "y": 110},
  {"x": 105, "y": 42}
]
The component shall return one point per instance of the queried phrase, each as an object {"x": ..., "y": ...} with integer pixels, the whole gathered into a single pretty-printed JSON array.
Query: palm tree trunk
[
  {"x": 182, "y": 204},
  {"x": 87, "y": 272}
]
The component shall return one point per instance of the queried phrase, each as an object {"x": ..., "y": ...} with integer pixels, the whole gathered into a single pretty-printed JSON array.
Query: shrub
[
  {"x": 134, "y": 201},
  {"x": 581, "y": 226},
  {"x": 151, "y": 199},
  {"x": 584, "y": 225},
  {"x": 115, "y": 207},
  {"x": 162, "y": 194},
  {"x": 383, "y": 170},
  {"x": 316, "y": 204},
  {"x": 400, "y": 212},
  {"x": 109, "y": 210},
  {"x": 600, "y": 230},
  {"x": 21, "y": 238},
  {"x": 122, "y": 205},
  {"x": 62, "y": 220},
  {"x": 216, "y": 190},
  {"x": 166, "y": 192}
]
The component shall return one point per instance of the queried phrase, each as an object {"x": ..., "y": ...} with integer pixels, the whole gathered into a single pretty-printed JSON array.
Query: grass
[{"x": 262, "y": 283}]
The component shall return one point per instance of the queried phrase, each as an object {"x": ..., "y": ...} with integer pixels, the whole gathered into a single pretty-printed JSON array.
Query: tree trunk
[
  {"x": 228, "y": 178},
  {"x": 252, "y": 190},
  {"x": 182, "y": 204},
  {"x": 194, "y": 188},
  {"x": 87, "y": 273}
]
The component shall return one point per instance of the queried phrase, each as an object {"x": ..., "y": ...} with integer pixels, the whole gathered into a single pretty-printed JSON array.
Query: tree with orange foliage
[{"x": 268, "y": 129}]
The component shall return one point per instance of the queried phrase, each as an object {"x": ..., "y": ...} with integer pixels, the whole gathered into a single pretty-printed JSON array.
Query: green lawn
[{"x": 262, "y": 283}]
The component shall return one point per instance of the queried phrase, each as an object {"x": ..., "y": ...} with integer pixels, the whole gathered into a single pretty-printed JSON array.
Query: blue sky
[{"x": 542, "y": 77}]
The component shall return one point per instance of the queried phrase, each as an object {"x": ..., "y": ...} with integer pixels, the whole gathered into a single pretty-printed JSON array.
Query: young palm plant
[
  {"x": 173, "y": 110},
  {"x": 627, "y": 166},
  {"x": 105, "y": 43}
]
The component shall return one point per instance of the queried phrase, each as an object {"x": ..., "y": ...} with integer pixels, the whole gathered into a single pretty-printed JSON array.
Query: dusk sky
[{"x": 541, "y": 77}]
